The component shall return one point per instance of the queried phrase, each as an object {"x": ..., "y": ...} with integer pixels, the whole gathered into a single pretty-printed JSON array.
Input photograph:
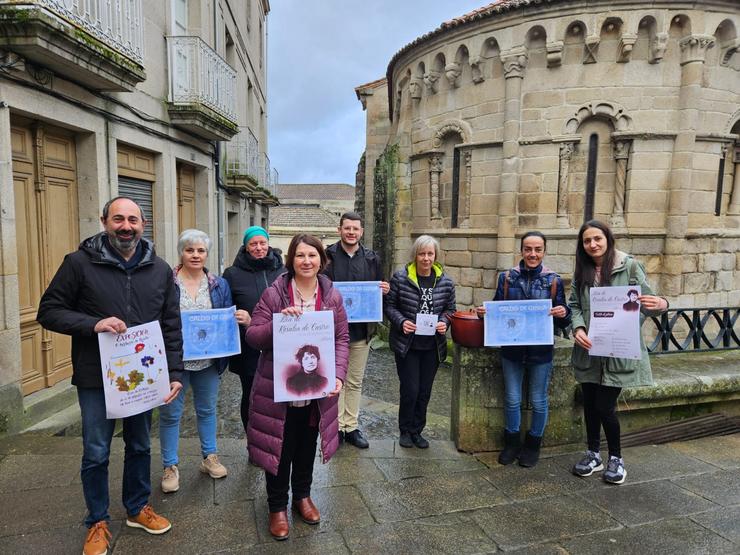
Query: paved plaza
[{"x": 679, "y": 497}]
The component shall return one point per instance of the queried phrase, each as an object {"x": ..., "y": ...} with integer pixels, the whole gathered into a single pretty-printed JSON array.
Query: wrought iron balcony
[
  {"x": 243, "y": 160},
  {"x": 98, "y": 43},
  {"x": 202, "y": 89}
]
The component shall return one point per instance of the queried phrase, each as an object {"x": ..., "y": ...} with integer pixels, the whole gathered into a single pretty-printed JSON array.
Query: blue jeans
[
  {"x": 205, "y": 385},
  {"x": 97, "y": 433},
  {"x": 539, "y": 381}
]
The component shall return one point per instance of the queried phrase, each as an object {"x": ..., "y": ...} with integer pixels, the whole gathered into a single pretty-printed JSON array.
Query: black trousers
[
  {"x": 600, "y": 410},
  {"x": 416, "y": 373},
  {"x": 246, "y": 380},
  {"x": 298, "y": 454}
]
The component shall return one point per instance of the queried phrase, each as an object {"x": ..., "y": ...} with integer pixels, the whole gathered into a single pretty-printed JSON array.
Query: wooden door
[
  {"x": 45, "y": 189},
  {"x": 185, "y": 197}
]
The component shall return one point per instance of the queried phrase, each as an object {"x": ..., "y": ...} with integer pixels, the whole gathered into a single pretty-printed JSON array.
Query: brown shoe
[
  {"x": 149, "y": 521},
  {"x": 98, "y": 539},
  {"x": 307, "y": 510},
  {"x": 279, "y": 527}
]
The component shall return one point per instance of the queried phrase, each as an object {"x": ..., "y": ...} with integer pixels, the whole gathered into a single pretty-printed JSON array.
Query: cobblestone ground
[{"x": 378, "y": 415}]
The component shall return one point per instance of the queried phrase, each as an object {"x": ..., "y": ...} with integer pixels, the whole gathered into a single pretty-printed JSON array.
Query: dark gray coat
[{"x": 402, "y": 303}]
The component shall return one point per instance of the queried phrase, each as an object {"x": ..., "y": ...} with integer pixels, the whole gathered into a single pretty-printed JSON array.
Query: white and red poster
[
  {"x": 135, "y": 373},
  {"x": 303, "y": 356}
]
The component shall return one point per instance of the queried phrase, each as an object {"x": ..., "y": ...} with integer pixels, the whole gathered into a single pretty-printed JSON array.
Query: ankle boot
[
  {"x": 512, "y": 445},
  {"x": 531, "y": 451}
]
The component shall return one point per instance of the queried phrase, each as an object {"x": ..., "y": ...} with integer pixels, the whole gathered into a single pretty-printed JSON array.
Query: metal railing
[
  {"x": 116, "y": 23},
  {"x": 243, "y": 155},
  {"x": 243, "y": 158},
  {"x": 199, "y": 75},
  {"x": 693, "y": 329}
]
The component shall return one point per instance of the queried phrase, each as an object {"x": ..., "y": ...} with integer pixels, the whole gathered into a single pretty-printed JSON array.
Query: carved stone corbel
[
  {"x": 591, "y": 49},
  {"x": 435, "y": 170},
  {"x": 414, "y": 89},
  {"x": 657, "y": 47},
  {"x": 554, "y": 53},
  {"x": 728, "y": 49},
  {"x": 621, "y": 155},
  {"x": 566, "y": 154},
  {"x": 452, "y": 73},
  {"x": 430, "y": 80},
  {"x": 476, "y": 68},
  {"x": 626, "y": 43}
]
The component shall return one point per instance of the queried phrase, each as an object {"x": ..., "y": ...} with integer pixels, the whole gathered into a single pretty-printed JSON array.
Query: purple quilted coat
[{"x": 266, "y": 417}]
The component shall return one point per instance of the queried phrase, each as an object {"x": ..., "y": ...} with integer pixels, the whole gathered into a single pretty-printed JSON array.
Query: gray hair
[
  {"x": 192, "y": 237},
  {"x": 424, "y": 241}
]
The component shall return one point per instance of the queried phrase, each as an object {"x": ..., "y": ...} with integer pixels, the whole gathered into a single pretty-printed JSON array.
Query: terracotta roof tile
[
  {"x": 302, "y": 217},
  {"x": 315, "y": 191}
]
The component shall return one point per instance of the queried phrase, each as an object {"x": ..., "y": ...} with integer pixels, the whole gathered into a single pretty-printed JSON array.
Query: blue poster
[
  {"x": 363, "y": 300},
  {"x": 209, "y": 333},
  {"x": 510, "y": 323}
]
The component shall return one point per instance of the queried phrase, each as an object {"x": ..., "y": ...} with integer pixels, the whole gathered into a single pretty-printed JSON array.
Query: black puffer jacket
[
  {"x": 248, "y": 277},
  {"x": 91, "y": 285},
  {"x": 402, "y": 303}
]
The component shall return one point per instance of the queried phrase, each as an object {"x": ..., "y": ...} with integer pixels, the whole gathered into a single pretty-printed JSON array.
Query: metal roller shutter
[{"x": 141, "y": 192}]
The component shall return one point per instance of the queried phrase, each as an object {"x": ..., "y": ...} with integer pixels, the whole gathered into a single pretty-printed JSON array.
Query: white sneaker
[
  {"x": 170, "y": 479},
  {"x": 213, "y": 467}
]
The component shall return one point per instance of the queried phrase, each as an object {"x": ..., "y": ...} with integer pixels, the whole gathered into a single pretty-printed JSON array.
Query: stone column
[
  {"x": 11, "y": 398},
  {"x": 435, "y": 170},
  {"x": 467, "y": 188},
  {"x": 734, "y": 207},
  {"x": 693, "y": 52},
  {"x": 514, "y": 62},
  {"x": 621, "y": 155},
  {"x": 566, "y": 154}
]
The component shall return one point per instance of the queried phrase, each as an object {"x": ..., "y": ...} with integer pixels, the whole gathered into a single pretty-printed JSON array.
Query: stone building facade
[
  {"x": 107, "y": 97},
  {"x": 540, "y": 115}
]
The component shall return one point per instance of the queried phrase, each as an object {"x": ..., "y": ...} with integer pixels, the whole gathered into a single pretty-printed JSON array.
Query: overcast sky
[{"x": 318, "y": 52}]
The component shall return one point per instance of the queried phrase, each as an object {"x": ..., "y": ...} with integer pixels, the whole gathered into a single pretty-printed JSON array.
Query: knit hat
[{"x": 255, "y": 230}]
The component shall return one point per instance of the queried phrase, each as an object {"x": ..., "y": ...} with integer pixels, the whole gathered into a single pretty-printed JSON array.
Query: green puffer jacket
[{"x": 615, "y": 372}]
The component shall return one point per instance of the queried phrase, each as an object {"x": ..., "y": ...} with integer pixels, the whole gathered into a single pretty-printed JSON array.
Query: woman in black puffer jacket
[
  {"x": 255, "y": 268},
  {"x": 420, "y": 288}
]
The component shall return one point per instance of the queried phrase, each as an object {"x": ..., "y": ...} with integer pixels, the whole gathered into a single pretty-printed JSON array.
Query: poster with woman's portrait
[{"x": 303, "y": 355}]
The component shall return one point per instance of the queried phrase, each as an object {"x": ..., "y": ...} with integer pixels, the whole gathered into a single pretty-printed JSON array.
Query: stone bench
[{"x": 686, "y": 384}]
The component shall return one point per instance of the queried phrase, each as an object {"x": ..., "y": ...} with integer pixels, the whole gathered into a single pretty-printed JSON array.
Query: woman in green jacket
[{"x": 600, "y": 264}]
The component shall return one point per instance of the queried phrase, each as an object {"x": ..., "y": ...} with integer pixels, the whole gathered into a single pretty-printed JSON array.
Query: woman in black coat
[
  {"x": 420, "y": 288},
  {"x": 255, "y": 268}
]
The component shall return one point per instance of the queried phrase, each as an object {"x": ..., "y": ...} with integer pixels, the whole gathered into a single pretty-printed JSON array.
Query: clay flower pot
[{"x": 467, "y": 329}]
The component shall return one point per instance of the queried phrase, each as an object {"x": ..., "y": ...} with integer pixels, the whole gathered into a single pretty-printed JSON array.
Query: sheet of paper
[
  {"x": 614, "y": 329},
  {"x": 303, "y": 352},
  {"x": 509, "y": 323},
  {"x": 210, "y": 333},
  {"x": 363, "y": 300},
  {"x": 426, "y": 324},
  {"x": 135, "y": 373}
]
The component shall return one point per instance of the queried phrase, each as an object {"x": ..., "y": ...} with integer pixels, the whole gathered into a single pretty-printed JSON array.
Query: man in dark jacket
[
  {"x": 114, "y": 281},
  {"x": 349, "y": 260}
]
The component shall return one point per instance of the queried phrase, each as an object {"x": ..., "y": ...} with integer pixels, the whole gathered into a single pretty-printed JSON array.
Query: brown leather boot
[
  {"x": 279, "y": 527},
  {"x": 307, "y": 510}
]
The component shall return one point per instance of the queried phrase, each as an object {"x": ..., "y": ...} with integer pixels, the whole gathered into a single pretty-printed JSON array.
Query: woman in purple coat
[{"x": 284, "y": 435}]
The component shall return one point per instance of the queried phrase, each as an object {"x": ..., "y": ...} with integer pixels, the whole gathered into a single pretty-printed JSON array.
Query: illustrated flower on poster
[{"x": 139, "y": 347}]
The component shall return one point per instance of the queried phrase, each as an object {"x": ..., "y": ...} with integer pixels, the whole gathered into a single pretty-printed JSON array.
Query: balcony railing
[
  {"x": 243, "y": 158},
  {"x": 116, "y": 23},
  {"x": 199, "y": 75},
  {"x": 242, "y": 155}
]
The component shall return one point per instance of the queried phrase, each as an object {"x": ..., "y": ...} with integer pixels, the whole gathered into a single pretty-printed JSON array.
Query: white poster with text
[
  {"x": 135, "y": 373},
  {"x": 614, "y": 330}
]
